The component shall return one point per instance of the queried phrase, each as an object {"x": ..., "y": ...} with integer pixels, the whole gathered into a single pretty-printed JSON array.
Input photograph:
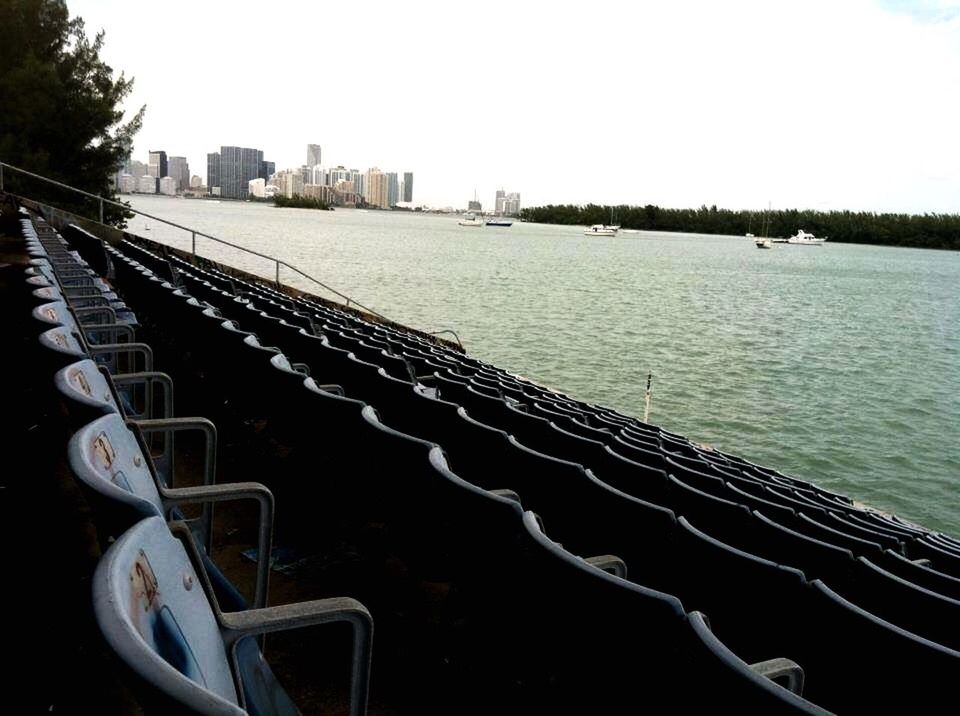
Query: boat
[
  {"x": 601, "y": 230},
  {"x": 803, "y": 238},
  {"x": 610, "y": 229},
  {"x": 763, "y": 242},
  {"x": 470, "y": 219},
  {"x": 498, "y": 222}
]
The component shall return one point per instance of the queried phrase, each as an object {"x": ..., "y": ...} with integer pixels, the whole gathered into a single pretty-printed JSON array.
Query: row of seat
[
  {"x": 176, "y": 622},
  {"x": 358, "y": 379},
  {"x": 665, "y": 453}
]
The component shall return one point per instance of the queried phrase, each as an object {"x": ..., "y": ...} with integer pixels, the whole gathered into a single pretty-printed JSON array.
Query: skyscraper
[
  {"x": 393, "y": 189},
  {"x": 408, "y": 186},
  {"x": 507, "y": 204},
  {"x": 267, "y": 170},
  {"x": 180, "y": 171},
  {"x": 213, "y": 171},
  {"x": 313, "y": 155},
  {"x": 238, "y": 165},
  {"x": 376, "y": 188},
  {"x": 157, "y": 164}
]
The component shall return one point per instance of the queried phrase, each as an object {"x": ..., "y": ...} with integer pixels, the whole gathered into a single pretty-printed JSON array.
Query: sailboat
[
  {"x": 610, "y": 229},
  {"x": 764, "y": 242},
  {"x": 472, "y": 218}
]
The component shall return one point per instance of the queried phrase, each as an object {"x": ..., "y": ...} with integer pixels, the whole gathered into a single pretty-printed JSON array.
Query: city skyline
[{"x": 817, "y": 105}]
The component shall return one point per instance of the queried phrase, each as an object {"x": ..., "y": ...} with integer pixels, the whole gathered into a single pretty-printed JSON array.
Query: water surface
[{"x": 839, "y": 364}]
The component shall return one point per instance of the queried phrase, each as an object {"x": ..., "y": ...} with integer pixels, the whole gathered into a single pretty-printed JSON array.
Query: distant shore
[{"x": 928, "y": 231}]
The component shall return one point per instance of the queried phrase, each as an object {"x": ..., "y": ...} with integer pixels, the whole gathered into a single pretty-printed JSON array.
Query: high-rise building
[
  {"x": 267, "y": 170},
  {"x": 408, "y": 186},
  {"x": 325, "y": 194},
  {"x": 196, "y": 182},
  {"x": 376, "y": 186},
  {"x": 238, "y": 165},
  {"x": 393, "y": 189},
  {"x": 178, "y": 168},
  {"x": 307, "y": 174},
  {"x": 168, "y": 186},
  {"x": 289, "y": 182},
  {"x": 157, "y": 164},
  {"x": 213, "y": 171},
  {"x": 313, "y": 155},
  {"x": 507, "y": 204},
  {"x": 338, "y": 174},
  {"x": 318, "y": 176}
]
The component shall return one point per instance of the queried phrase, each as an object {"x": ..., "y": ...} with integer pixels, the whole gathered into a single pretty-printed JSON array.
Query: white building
[
  {"x": 168, "y": 186},
  {"x": 258, "y": 188},
  {"x": 147, "y": 184},
  {"x": 507, "y": 204},
  {"x": 196, "y": 182},
  {"x": 128, "y": 183}
]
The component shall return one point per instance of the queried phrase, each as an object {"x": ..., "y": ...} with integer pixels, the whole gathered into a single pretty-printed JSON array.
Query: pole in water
[{"x": 646, "y": 399}]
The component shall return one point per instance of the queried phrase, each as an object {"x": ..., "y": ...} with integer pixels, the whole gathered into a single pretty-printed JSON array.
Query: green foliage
[
  {"x": 933, "y": 231},
  {"x": 299, "y": 202},
  {"x": 60, "y": 115}
]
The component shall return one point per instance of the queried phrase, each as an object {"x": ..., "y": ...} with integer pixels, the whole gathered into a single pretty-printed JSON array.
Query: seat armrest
[
  {"x": 609, "y": 563},
  {"x": 237, "y": 625},
  {"x": 208, "y": 494}
]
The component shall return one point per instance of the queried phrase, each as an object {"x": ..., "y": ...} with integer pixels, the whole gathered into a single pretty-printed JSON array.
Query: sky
[{"x": 846, "y": 104}]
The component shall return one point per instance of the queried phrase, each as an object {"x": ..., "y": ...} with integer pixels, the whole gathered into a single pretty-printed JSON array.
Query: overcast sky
[{"x": 826, "y": 105}]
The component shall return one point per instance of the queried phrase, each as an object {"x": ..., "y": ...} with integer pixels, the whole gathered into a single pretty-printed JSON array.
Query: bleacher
[{"x": 516, "y": 549}]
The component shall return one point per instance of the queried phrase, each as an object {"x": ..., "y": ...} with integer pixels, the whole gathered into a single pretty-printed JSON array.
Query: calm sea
[{"x": 839, "y": 364}]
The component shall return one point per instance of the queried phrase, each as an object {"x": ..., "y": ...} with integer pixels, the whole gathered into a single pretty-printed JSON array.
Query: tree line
[
  {"x": 931, "y": 231},
  {"x": 299, "y": 202}
]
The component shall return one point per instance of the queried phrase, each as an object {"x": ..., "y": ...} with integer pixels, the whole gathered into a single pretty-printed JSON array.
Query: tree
[{"x": 60, "y": 114}]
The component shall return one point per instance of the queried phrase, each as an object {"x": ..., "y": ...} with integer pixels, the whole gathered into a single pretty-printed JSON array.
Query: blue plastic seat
[
  {"x": 155, "y": 608},
  {"x": 117, "y": 475}
]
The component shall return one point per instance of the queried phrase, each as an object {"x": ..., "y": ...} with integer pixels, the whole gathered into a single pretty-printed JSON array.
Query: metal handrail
[
  {"x": 193, "y": 242},
  {"x": 451, "y": 332}
]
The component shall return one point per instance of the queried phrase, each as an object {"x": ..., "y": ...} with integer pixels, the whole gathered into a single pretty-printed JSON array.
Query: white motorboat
[
  {"x": 763, "y": 242},
  {"x": 601, "y": 230},
  {"x": 804, "y": 239},
  {"x": 471, "y": 219}
]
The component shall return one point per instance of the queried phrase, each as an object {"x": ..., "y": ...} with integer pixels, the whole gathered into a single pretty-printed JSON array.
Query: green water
[{"x": 838, "y": 364}]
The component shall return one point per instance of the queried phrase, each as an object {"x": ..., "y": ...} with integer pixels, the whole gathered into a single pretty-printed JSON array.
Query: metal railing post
[
  {"x": 1, "y": 176},
  {"x": 101, "y": 209},
  {"x": 193, "y": 243},
  {"x": 277, "y": 261}
]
